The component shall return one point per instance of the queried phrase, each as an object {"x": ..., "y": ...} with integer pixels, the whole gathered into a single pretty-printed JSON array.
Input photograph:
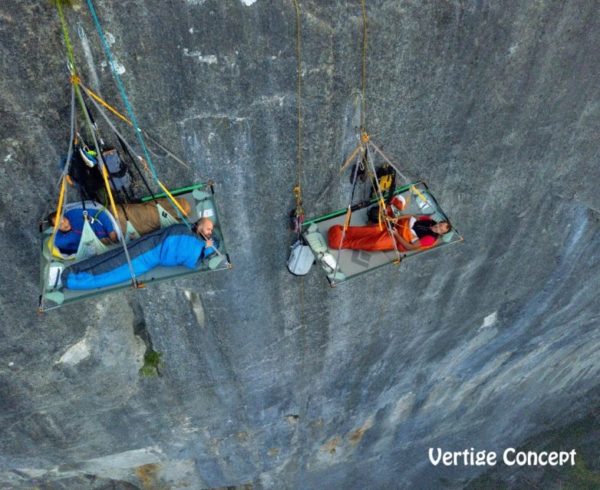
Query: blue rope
[{"x": 138, "y": 131}]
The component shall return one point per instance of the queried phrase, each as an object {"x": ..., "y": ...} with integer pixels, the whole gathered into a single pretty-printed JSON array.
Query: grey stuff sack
[
  {"x": 119, "y": 175},
  {"x": 301, "y": 259}
]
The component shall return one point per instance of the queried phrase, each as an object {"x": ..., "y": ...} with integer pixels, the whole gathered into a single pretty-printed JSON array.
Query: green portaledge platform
[
  {"x": 382, "y": 259},
  {"x": 156, "y": 275}
]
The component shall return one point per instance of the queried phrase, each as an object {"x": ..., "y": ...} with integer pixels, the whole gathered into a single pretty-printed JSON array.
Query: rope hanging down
[
  {"x": 138, "y": 131},
  {"x": 363, "y": 112},
  {"x": 298, "y": 213}
]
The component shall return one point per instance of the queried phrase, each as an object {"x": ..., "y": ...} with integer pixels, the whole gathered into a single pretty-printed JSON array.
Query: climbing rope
[
  {"x": 66, "y": 37},
  {"x": 299, "y": 211},
  {"x": 363, "y": 112}
]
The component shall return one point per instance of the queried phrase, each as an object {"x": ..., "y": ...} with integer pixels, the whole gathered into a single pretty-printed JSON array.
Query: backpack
[
  {"x": 119, "y": 176},
  {"x": 84, "y": 173}
]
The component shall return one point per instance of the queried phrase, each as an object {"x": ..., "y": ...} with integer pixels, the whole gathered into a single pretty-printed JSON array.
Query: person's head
[
  {"x": 64, "y": 225},
  {"x": 441, "y": 228},
  {"x": 204, "y": 227}
]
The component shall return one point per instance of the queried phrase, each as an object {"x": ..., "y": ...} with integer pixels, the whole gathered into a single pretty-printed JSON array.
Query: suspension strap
[
  {"x": 63, "y": 178},
  {"x": 348, "y": 217}
]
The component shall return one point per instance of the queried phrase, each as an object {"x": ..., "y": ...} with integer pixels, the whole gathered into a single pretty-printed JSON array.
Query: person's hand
[
  {"x": 209, "y": 243},
  {"x": 113, "y": 236}
]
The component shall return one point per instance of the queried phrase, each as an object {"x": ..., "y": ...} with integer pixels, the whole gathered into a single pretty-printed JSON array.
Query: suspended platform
[
  {"x": 201, "y": 198},
  {"x": 354, "y": 263}
]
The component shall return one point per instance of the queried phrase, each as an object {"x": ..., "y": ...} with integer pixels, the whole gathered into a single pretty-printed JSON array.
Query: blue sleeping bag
[{"x": 171, "y": 246}]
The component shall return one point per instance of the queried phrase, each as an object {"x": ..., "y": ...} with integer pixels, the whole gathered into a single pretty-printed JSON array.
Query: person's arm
[
  {"x": 407, "y": 245},
  {"x": 111, "y": 238},
  {"x": 107, "y": 224}
]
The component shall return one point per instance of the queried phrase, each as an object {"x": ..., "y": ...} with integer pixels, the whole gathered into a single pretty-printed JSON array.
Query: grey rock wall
[{"x": 282, "y": 382}]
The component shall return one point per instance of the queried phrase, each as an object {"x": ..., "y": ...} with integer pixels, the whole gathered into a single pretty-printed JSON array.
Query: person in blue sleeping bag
[{"x": 173, "y": 246}]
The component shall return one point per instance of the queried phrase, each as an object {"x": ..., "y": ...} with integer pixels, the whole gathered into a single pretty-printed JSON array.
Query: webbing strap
[
  {"x": 173, "y": 200},
  {"x": 348, "y": 218},
  {"x": 420, "y": 195},
  {"x": 63, "y": 178},
  {"x": 350, "y": 158}
]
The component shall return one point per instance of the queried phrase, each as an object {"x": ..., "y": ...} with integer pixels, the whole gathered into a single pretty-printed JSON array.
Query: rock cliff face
[{"x": 270, "y": 380}]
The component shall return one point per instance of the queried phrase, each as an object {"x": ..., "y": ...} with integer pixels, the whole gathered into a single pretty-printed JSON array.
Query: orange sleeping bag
[{"x": 374, "y": 239}]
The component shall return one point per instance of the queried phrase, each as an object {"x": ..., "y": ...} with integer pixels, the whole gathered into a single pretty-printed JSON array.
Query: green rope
[{"x": 67, "y": 38}]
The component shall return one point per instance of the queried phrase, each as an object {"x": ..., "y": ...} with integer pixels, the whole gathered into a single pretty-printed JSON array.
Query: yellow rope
[
  {"x": 363, "y": 111},
  {"x": 381, "y": 213},
  {"x": 113, "y": 206},
  {"x": 103, "y": 103},
  {"x": 173, "y": 200},
  {"x": 419, "y": 194},
  {"x": 59, "y": 206},
  {"x": 298, "y": 187}
]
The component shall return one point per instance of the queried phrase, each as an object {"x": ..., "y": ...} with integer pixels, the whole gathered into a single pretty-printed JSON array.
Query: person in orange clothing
[{"x": 410, "y": 233}]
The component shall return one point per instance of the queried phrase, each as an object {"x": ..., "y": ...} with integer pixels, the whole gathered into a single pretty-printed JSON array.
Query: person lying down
[
  {"x": 410, "y": 232},
  {"x": 173, "y": 246}
]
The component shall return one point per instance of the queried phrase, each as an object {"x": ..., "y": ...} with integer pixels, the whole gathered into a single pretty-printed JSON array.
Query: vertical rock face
[{"x": 281, "y": 382}]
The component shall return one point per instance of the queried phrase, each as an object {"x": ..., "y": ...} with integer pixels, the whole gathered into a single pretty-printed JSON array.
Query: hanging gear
[
  {"x": 85, "y": 173},
  {"x": 386, "y": 175},
  {"x": 301, "y": 259},
  {"x": 118, "y": 171}
]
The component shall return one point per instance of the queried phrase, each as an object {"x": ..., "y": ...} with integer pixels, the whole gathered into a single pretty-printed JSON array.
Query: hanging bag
[{"x": 301, "y": 259}]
